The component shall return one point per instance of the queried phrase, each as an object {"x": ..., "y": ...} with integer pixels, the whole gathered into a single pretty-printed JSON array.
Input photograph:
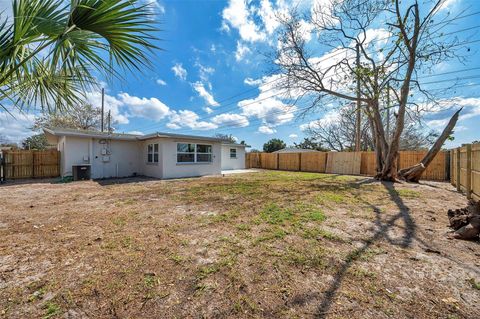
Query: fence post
[
  {"x": 458, "y": 170},
  {"x": 468, "y": 183},
  {"x": 300, "y": 162},
  {"x": 278, "y": 161}
]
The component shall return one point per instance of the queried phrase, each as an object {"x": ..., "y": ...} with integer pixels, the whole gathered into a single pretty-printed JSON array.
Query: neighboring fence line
[
  {"x": 466, "y": 176},
  {"x": 31, "y": 164},
  {"x": 348, "y": 163}
]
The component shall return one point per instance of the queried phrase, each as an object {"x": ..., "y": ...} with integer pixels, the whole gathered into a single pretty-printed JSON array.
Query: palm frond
[{"x": 51, "y": 50}]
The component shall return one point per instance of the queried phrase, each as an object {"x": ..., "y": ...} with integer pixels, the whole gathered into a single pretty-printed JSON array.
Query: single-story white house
[{"x": 159, "y": 155}]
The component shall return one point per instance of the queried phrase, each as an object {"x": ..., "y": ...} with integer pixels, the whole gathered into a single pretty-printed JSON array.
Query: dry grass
[{"x": 270, "y": 244}]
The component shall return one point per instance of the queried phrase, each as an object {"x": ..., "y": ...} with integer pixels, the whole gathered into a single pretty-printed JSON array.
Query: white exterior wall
[
  {"x": 124, "y": 158},
  {"x": 74, "y": 149},
  {"x": 172, "y": 169},
  {"x": 233, "y": 163},
  {"x": 61, "y": 149},
  {"x": 151, "y": 169}
]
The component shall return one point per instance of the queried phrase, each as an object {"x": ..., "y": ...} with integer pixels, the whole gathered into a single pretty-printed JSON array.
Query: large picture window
[
  {"x": 194, "y": 153},
  {"x": 152, "y": 153}
]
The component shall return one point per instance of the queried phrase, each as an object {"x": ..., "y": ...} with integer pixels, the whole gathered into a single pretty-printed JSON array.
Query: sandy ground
[{"x": 263, "y": 245}]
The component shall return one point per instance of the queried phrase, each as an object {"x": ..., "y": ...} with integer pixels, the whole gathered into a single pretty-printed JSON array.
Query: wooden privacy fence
[
  {"x": 465, "y": 169},
  {"x": 30, "y": 164},
  {"x": 348, "y": 163}
]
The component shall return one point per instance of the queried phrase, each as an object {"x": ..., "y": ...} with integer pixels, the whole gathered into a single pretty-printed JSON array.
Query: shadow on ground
[{"x": 382, "y": 228}]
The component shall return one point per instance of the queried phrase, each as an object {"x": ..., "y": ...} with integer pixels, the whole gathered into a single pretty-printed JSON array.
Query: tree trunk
[{"x": 413, "y": 173}]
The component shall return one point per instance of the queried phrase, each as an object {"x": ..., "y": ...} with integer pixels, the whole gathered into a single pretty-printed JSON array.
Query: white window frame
[
  {"x": 195, "y": 154},
  {"x": 153, "y": 153},
  {"x": 235, "y": 156}
]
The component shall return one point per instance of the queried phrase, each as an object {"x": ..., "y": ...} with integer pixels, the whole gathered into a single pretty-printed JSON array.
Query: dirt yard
[{"x": 264, "y": 245}]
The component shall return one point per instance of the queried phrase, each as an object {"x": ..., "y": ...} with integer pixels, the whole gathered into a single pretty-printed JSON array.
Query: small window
[
  {"x": 233, "y": 153},
  {"x": 194, "y": 153},
  {"x": 152, "y": 153}
]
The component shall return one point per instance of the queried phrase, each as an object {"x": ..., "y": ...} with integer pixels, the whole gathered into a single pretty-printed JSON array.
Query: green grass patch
[
  {"x": 119, "y": 221},
  {"x": 407, "y": 193},
  {"x": 366, "y": 255},
  {"x": 475, "y": 285},
  {"x": 205, "y": 271},
  {"x": 177, "y": 259},
  {"x": 326, "y": 197},
  {"x": 310, "y": 212},
  {"x": 243, "y": 227},
  {"x": 312, "y": 257},
  {"x": 149, "y": 281},
  {"x": 316, "y": 232},
  {"x": 273, "y": 214},
  {"x": 51, "y": 310},
  {"x": 271, "y": 234},
  {"x": 362, "y": 273}
]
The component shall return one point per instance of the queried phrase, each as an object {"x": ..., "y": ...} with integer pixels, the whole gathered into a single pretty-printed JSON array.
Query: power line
[
  {"x": 341, "y": 51},
  {"x": 284, "y": 112},
  {"x": 306, "y": 108}
]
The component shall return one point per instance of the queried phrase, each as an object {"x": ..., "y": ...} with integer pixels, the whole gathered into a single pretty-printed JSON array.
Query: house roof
[
  {"x": 294, "y": 150},
  {"x": 89, "y": 134},
  {"x": 129, "y": 137},
  {"x": 226, "y": 143}
]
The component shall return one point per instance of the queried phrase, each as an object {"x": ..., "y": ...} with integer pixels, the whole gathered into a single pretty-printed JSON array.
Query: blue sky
[{"x": 214, "y": 50}]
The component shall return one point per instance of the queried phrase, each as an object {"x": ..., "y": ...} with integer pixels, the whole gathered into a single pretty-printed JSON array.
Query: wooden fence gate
[{"x": 30, "y": 164}]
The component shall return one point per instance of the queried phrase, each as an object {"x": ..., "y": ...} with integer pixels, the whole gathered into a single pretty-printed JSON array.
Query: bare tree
[
  {"x": 339, "y": 134},
  {"x": 391, "y": 59},
  {"x": 85, "y": 117}
]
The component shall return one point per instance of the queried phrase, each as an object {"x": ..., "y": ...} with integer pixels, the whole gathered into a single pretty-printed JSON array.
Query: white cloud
[
  {"x": 448, "y": 4},
  {"x": 161, "y": 82},
  {"x": 208, "y": 109},
  {"x": 112, "y": 104},
  {"x": 179, "y": 71},
  {"x": 330, "y": 117},
  {"x": 17, "y": 128},
  {"x": 471, "y": 108},
  {"x": 240, "y": 17},
  {"x": 268, "y": 105},
  {"x": 154, "y": 6},
  {"x": 293, "y": 136},
  {"x": 229, "y": 119},
  {"x": 173, "y": 126},
  {"x": 136, "y": 132},
  {"x": 189, "y": 119},
  {"x": 242, "y": 51},
  {"x": 266, "y": 129},
  {"x": 203, "y": 93},
  {"x": 150, "y": 108},
  {"x": 252, "y": 82},
  {"x": 204, "y": 71}
]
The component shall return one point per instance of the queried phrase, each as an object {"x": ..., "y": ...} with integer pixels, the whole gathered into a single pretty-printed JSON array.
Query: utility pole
[
  {"x": 109, "y": 119},
  {"x": 103, "y": 100},
  {"x": 358, "y": 119},
  {"x": 388, "y": 113}
]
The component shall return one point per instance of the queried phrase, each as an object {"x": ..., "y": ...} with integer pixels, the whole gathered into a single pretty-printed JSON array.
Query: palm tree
[{"x": 52, "y": 51}]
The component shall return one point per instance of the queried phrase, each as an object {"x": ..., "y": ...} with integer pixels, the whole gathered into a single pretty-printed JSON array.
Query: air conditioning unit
[{"x": 81, "y": 172}]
